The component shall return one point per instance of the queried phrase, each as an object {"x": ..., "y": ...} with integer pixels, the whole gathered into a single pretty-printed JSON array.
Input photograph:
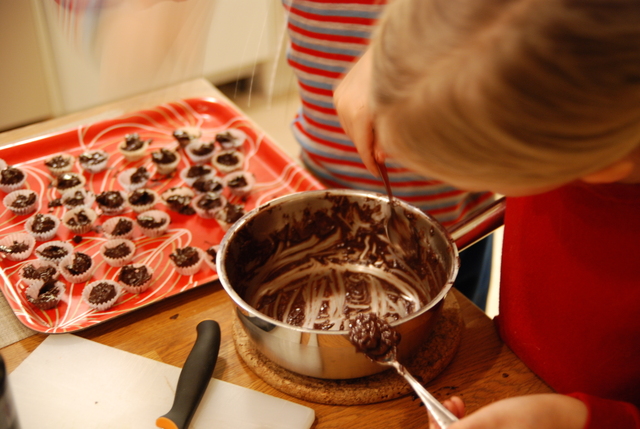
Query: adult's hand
[
  {"x": 544, "y": 411},
  {"x": 351, "y": 99}
]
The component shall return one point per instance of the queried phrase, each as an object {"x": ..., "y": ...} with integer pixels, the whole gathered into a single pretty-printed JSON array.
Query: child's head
[{"x": 530, "y": 94}]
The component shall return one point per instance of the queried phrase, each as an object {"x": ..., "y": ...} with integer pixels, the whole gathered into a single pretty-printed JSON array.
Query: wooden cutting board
[{"x": 72, "y": 383}]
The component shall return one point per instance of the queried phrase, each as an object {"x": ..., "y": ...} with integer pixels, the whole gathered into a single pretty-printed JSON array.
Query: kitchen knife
[{"x": 194, "y": 377}]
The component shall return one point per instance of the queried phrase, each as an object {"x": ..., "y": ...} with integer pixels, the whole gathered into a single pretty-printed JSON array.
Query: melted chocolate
[
  {"x": 80, "y": 263},
  {"x": 16, "y": 247},
  {"x": 209, "y": 202},
  {"x": 232, "y": 212},
  {"x": 150, "y": 222},
  {"x": 11, "y": 176},
  {"x": 23, "y": 201},
  {"x": 49, "y": 292},
  {"x": 102, "y": 292},
  {"x": 163, "y": 156},
  {"x": 182, "y": 137},
  {"x": 76, "y": 200},
  {"x": 198, "y": 171},
  {"x": 58, "y": 161},
  {"x": 180, "y": 204},
  {"x": 203, "y": 149},
  {"x": 67, "y": 181},
  {"x": 134, "y": 276},
  {"x": 133, "y": 142},
  {"x": 53, "y": 252},
  {"x": 44, "y": 273},
  {"x": 238, "y": 182},
  {"x": 212, "y": 253},
  {"x": 42, "y": 223},
  {"x": 123, "y": 226},
  {"x": 110, "y": 199},
  {"x": 140, "y": 175},
  {"x": 185, "y": 256},
  {"x": 93, "y": 158},
  {"x": 228, "y": 158},
  {"x": 80, "y": 219},
  {"x": 141, "y": 197},
  {"x": 116, "y": 252},
  {"x": 203, "y": 184},
  {"x": 54, "y": 203},
  {"x": 373, "y": 336},
  {"x": 225, "y": 137}
]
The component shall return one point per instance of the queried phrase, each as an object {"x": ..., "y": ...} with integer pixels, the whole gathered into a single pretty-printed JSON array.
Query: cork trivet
[{"x": 434, "y": 355}]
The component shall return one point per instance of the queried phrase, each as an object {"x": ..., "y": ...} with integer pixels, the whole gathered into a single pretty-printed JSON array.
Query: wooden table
[{"x": 484, "y": 369}]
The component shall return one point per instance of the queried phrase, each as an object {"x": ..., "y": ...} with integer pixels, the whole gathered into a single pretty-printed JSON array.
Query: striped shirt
[{"x": 326, "y": 37}]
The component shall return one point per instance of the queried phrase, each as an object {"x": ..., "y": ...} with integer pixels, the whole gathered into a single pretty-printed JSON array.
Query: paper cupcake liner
[
  {"x": 139, "y": 288},
  {"x": 14, "y": 195},
  {"x": 86, "y": 293},
  {"x": 193, "y": 269},
  {"x": 89, "y": 198},
  {"x": 189, "y": 133},
  {"x": 56, "y": 171},
  {"x": 237, "y": 141},
  {"x": 73, "y": 213},
  {"x": 179, "y": 192},
  {"x": 118, "y": 262},
  {"x": 209, "y": 259},
  {"x": 33, "y": 291},
  {"x": 156, "y": 215},
  {"x": 109, "y": 225},
  {"x": 63, "y": 244},
  {"x": 198, "y": 159},
  {"x": 42, "y": 236},
  {"x": 166, "y": 169},
  {"x": 17, "y": 237},
  {"x": 75, "y": 278},
  {"x": 138, "y": 208},
  {"x": 212, "y": 183},
  {"x": 224, "y": 168},
  {"x": 208, "y": 213},
  {"x": 124, "y": 179},
  {"x": 37, "y": 263},
  {"x": 240, "y": 191},
  {"x": 83, "y": 181},
  {"x": 134, "y": 155},
  {"x": 14, "y": 186},
  {"x": 190, "y": 180},
  {"x": 3, "y": 164},
  {"x": 112, "y": 211},
  {"x": 221, "y": 217},
  {"x": 95, "y": 168}
]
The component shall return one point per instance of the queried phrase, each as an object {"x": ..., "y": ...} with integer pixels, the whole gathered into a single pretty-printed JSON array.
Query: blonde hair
[{"x": 526, "y": 91}]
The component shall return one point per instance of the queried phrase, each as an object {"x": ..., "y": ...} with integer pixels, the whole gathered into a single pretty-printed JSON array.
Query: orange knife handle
[{"x": 194, "y": 377}]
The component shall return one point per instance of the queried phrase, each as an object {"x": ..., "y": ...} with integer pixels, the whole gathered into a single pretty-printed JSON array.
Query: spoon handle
[{"x": 439, "y": 412}]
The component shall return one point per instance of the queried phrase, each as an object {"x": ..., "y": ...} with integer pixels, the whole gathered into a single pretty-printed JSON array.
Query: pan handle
[{"x": 478, "y": 225}]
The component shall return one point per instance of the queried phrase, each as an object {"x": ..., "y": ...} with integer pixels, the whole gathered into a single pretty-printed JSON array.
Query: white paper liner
[
  {"x": 209, "y": 260},
  {"x": 58, "y": 171},
  {"x": 10, "y": 198},
  {"x": 194, "y": 146},
  {"x": 89, "y": 198},
  {"x": 139, "y": 288},
  {"x": 3, "y": 164},
  {"x": 95, "y": 168},
  {"x": 86, "y": 292},
  {"x": 79, "y": 229},
  {"x": 75, "y": 278},
  {"x": 38, "y": 263},
  {"x": 124, "y": 179},
  {"x": 189, "y": 180},
  {"x": 165, "y": 169},
  {"x": 17, "y": 237},
  {"x": 240, "y": 191},
  {"x": 224, "y": 168},
  {"x": 117, "y": 262},
  {"x": 33, "y": 291},
  {"x": 192, "y": 132},
  {"x": 143, "y": 208},
  {"x": 15, "y": 186},
  {"x": 156, "y": 215},
  {"x": 134, "y": 155},
  {"x": 221, "y": 217},
  {"x": 83, "y": 181},
  {"x": 63, "y": 244},
  {"x": 180, "y": 191},
  {"x": 193, "y": 269},
  {"x": 111, "y": 211},
  {"x": 208, "y": 213},
  {"x": 213, "y": 182},
  {"x": 109, "y": 225},
  {"x": 42, "y": 236},
  {"x": 239, "y": 138}
]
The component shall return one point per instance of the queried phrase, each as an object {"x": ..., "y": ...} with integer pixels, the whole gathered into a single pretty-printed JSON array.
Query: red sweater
[{"x": 570, "y": 295}]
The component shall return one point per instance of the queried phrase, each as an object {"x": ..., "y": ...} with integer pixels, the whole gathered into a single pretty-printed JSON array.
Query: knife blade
[{"x": 194, "y": 377}]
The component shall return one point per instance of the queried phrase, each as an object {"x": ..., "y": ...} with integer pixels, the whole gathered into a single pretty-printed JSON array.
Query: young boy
[{"x": 540, "y": 101}]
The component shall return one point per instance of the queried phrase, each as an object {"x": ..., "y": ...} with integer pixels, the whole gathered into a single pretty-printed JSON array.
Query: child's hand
[
  {"x": 352, "y": 104},
  {"x": 453, "y": 404},
  {"x": 544, "y": 411}
]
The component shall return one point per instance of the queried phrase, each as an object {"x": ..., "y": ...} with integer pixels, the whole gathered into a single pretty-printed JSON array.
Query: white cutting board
[{"x": 72, "y": 383}]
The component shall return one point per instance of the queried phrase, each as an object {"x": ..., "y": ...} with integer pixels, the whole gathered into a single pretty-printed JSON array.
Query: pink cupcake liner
[
  {"x": 139, "y": 208},
  {"x": 91, "y": 167},
  {"x": 67, "y": 261},
  {"x": 109, "y": 226},
  {"x": 33, "y": 293},
  {"x": 117, "y": 262},
  {"x": 58, "y": 244},
  {"x": 65, "y": 167},
  {"x": 37, "y": 264},
  {"x": 196, "y": 146},
  {"x": 186, "y": 174},
  {"x": 240, "y": 183},
  {"x": 231, "y": 138},
  {"x": 138, "y": 288},
  {"x": 70, "y": 201},
  {"x": 77, "y": 215},
  {"x": 101, "y": 306},
  {"x": 10, "y": 187},
  {"x": 14, "y": 196},
  {"x": 156, "y": 215},
  {"x": 59, "y": 181},
  {"x": 203, "y": 211},
  {"x": 192, "y": 269},
  {"x": 46, "y": 235},
  {"x": 17, "y": 239},
  {"x": 125, "y": 179},
  {"x": 221, "y": 163}
]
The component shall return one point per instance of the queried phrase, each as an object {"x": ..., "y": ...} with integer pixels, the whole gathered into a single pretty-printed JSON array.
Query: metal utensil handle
[
  {"x": 479, "y": 225},
  {"x": 439, "y": 412}
]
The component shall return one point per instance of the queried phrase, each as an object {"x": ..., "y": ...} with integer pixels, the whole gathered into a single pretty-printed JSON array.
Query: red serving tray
[{"x": 276, "y": 175}]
